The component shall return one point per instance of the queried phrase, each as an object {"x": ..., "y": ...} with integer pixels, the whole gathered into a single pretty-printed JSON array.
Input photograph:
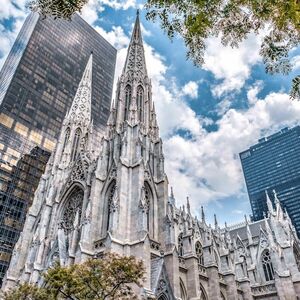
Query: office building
[
  {"x": 274, "y": 164},
  {"x": 37, "y": 84}
]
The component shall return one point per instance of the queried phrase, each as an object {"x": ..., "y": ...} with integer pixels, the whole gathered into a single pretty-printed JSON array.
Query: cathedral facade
[{"x": 119, "y": 201}]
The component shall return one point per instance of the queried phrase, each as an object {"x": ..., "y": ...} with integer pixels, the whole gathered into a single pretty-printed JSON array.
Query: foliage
[
  {"x": 111, "y": 277},
  {"x": 27, "y": 292},
  {"x": 233, "y": 20},
  {"x": 57, "y": 8}
]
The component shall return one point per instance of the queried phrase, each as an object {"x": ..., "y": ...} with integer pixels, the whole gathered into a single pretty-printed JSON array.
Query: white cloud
[
  {"x": 93, "y": 8},
  {"x": 231, "y": 66},
  {"x": 296, "y": 62},
  {"x": 190, "y": 89},
  {"x": 15, "y": 10}
]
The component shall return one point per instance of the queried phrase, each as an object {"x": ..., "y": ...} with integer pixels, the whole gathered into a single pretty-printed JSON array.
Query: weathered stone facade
[{"x": 119, "y": 201}]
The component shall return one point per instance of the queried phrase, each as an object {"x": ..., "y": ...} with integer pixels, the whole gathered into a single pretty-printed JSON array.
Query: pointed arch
[
  {"x": 140, "y": 102},
  {"x": 199, "y": 253},
  {"x": 149, "y": 200},
  {"x": 69, "y": 225},
  {"x": 203, "y": 294},
  {"x": 108, "y": 203},
  {"x": 222, "y": 296},
  {"x": 67, "y": 136},
  {"x": 183, "y": 293},
  {"x": 296, "y": 252},
  {"x": 75, "y": 146},
  {"x": 163, "y": 297},
  {"x": 180, "y": 244},
  {"x": 127, "y": 101},
  {"x": 72, "y": 206},
  {"x": 267, "y": 265}
]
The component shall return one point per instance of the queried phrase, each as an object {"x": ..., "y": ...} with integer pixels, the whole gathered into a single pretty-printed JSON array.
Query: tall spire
[
  {"x": 135, "y": 64},
  {"x": 80, "y": 111}
]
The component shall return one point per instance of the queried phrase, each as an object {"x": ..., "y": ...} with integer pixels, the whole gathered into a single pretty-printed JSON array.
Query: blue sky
[{"x": 206, "y": 115}]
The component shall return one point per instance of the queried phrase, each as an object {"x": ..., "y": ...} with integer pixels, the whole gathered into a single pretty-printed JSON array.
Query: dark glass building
[
  {"x": 38, "y": 82},
  {"x": 274, "y": 164}
]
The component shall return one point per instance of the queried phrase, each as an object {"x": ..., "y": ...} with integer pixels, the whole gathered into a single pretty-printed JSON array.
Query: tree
[
  {"x": 110, "y": 277},
  {"x": 232, "y": 20}
]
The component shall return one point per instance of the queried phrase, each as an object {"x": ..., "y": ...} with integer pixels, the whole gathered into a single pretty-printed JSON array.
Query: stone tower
[{"x": 87, "y": 205}]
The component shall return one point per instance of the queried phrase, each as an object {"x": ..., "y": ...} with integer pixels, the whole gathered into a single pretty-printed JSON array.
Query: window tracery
[
  {"x": 67, "y": 136},
  {"x": 127, "y": 100},
  {"x": 267, "y": 266},
  {"x": 140, "y": 101},
  {"x": 75, "y": 144},
  {"x": 73, "y": 207},
  {"x": 183, "y": 294},
  {"x": 203, "y": 295},
  {"x": 297, "y": 256},
  {"x": 110, "y": 202},
  {"x": 180, "y": 244},
  {"x": 199, "y": 253}
]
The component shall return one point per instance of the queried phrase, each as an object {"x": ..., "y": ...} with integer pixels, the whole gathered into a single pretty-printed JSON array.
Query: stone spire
[
  {"x": 202, "y": 214},
  {"x": 80, "y": 111},
  {"x": 133, "y": 94},
  {"x": 77, "y": 125},
  {"x": 269, "y": 203},
  {"x": 135, "y": 64},
  {"x": 279, "y": 210}
]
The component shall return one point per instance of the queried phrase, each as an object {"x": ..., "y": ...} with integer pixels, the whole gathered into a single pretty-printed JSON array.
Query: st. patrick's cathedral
[{"x": 119, "y": 201}]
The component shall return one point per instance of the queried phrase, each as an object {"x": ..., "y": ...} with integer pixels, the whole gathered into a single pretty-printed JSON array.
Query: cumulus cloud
[
  {"x": 190, "y": 89},
  {"x": 91, "y": 10},
  {"x": 296, "y": 62},
  {"x": 16, "y": 11},
  {"x": 231, "y": 66}
]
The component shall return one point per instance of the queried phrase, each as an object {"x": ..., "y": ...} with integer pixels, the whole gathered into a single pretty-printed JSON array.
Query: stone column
[
  {"x": 214, "y": 291},
  {"x": 232, "y": 292},
  {"x": 246, "y": 288}
]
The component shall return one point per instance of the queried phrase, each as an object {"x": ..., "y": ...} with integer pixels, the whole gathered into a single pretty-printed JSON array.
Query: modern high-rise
[
  {"x": 273, "y": 164},
  {"x": 37, "y": 84}
]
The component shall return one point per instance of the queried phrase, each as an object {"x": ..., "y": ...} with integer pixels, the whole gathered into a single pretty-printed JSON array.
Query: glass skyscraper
[
  {"x": 38, "y": 82},
  {"x": 274, "y": 164}
]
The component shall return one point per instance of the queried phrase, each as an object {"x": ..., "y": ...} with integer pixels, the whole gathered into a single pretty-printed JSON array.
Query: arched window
[
  {"x": 70, "y": 219},
  {"x": 109, "y": 202},
  {"x": 127, "y": 101},
  {"x": 199, "y": 253},
  {"x": 267, "y": 266},
  {"x": 222, "y": 296},
  {"x": 67, "y": 136},
  {"x": 140, "y": 102},
  {"x": 297, "y": 255},
  {"x": 150, "y": 210},
  {"x": 72, "y": 207},
  {"x": 183, "y": 294},
  {"x": 180, "y": 244},
  {"x": 163, "y": 297},
  {"x": 76, "y": 144},
  {"x": 203, "y": 295}
]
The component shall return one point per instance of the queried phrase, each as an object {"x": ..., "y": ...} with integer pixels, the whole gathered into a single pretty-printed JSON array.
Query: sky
[{"x": 207, "y": 115}]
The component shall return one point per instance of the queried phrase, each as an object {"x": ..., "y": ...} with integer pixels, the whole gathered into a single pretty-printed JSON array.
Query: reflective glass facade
[
  {"x": 38, "y": 82},
  {"x": 274, "y": 164}
]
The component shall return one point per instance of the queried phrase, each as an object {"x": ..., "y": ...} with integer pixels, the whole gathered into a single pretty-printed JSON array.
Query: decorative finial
[
  {"x": 216, "y": 221},
  {"x": 188, "y": 205},
  {"x": 246, "y": 219},
  {"x": 202, "y": 214},
  {"x": 172, "y": 193},
  {"x": 275, "y": 197},
  {"x": 137, "y": 12}
]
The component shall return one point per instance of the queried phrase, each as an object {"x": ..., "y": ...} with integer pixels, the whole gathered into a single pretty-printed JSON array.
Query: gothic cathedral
[{"x": 118, "y": 202}]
